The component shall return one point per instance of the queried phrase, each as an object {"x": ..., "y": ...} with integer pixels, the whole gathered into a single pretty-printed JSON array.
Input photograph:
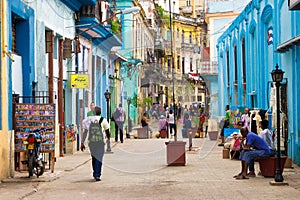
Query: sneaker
[
  {"x": 251, "y": 174},
  {"x": 97, "y": 179}
]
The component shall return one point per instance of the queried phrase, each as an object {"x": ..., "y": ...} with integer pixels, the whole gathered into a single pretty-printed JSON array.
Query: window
[
  {"x": 244, "y": 70},
  {"x": 199, "y": 98},
  {"x": 235, "y": 65},
  {"x": 182, "y": 65},
  {"x": 188, "y": 2},
  {"x": 182, "y": 36},
  {"x": 193, "y": 98},
  {"x": 178, "y": 62},
  {"x": 103, "y": 66},
  {"x": 186, "y": 98},
  {"x": 191, "y": 64},
  {"x": 191, "y": 39}
]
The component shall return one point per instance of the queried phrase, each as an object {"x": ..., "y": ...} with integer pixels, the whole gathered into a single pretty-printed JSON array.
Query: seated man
[
  {"x": 254, "y": 148},
  {"x": 162, "y": 126}
]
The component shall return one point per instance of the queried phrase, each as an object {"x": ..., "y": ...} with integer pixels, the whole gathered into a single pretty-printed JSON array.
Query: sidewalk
[{"x": 205, "y": 169}]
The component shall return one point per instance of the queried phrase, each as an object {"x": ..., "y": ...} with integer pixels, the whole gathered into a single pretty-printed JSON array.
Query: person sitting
[
  {"x": 254, "y": 148},
  {"x": 266, "y": 135},
  {"x": 162, "y": 126}
]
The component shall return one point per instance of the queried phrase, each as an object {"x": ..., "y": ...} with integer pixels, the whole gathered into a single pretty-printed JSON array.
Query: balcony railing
[
  {"x": 187, "y": 9},
  {"x": 209, "y": 68}
]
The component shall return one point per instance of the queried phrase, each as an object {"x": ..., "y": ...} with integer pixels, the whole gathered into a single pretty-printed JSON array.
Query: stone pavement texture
[{"x": 206, "y": 174}]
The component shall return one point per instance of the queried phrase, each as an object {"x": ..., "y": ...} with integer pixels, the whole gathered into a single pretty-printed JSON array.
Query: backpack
[
  {"x": 117, "y": 114},
  {"x": 95, "y": 131},
  {"x": 236, "y": 145}
]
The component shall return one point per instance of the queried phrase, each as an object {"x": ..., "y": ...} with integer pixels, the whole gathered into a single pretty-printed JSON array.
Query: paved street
[{"x": 137, "y": 170}]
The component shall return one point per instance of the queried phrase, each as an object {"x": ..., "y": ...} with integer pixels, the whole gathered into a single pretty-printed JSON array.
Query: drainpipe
[
  {"x": 4, "y": 86},
  {"x": 60, "y": 99}
]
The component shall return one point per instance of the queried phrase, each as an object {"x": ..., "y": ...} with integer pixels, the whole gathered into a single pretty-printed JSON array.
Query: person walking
[
  {"x": 227, "y": 121},
  {"x": 172, "y": 124},
  {"x": 95, "y": 126},
  {"x": 119, "y": 116}
]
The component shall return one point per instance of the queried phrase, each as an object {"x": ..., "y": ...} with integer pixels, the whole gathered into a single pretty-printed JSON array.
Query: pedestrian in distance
[
  {"x": 227, "y": 121},
  {"x": 162, "y": 126},
  {"x": 94, "y": 127},
  {"x": 145, "y": 123},
  {"x": 172, "y": 124},
  {"x": 92, "y": 107},
  {"x": 119, "y": 116}
]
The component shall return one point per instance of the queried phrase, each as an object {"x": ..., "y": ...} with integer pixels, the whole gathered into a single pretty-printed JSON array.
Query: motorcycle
[{"x": 34, "y": 160}]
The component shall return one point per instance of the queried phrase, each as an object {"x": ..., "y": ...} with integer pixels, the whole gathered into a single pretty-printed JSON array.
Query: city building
[{"x": 263, "y": 36}]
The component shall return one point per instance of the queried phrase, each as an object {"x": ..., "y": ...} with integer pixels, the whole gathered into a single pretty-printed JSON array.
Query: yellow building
[{"x": 6, "y": 138}]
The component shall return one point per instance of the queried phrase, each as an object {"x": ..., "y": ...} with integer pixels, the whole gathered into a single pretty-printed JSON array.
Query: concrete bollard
[{"x": 190, "y": 140}]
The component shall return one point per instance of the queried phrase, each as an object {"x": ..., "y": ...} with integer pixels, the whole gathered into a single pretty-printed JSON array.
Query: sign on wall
[{"x": 80, "y": 81}]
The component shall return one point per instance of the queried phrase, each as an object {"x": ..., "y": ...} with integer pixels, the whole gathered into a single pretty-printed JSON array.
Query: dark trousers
[
  {"x": 97, "y": 152},
  {"x": 97, "y": 167},
  {"x": 172, "y": 126},
  {"x": 119, "y": 128}
]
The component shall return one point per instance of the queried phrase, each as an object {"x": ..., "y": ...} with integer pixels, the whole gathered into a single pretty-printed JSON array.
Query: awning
[
  {"x": 145, "y": 82},
  {"x": 115, "y": 53},
  {"x": 288, "y": 44}
]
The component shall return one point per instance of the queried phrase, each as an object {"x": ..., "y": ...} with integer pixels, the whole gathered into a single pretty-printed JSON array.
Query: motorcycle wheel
[
  {"x": 30, "y": 164},
  {"x": 40, "y": 168}
]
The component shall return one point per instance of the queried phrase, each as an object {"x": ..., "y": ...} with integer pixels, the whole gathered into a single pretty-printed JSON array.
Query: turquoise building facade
[{"x": 265, "y": 34}]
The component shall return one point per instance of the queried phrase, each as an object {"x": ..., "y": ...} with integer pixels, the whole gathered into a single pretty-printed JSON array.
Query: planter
[
  {"x": 142, "y": 133},
  {"x": 175, "y": 153},
  {"x": 213, "y": 135},
  {"x": 71, "y": 147},
  {"x": 163, "y": 133},
  {"x": 268, "y": 165},
  {"x": 288, "y": 163}
]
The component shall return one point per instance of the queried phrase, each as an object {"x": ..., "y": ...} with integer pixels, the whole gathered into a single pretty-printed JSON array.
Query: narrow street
[{"x": 137, "y": 170}]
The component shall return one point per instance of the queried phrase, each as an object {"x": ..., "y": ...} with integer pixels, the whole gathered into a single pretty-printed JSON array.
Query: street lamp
[
  {"x": 129, "y": 120},
  {"x": 107, "y": 97},
  {"x": 277, "y": 76},
  {"x": 173, "y": 67}
]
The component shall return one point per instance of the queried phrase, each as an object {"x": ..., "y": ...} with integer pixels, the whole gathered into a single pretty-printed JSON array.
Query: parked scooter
[{"x": 35, "y": 161}]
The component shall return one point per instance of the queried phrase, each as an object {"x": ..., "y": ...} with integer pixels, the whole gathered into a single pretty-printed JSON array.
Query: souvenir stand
[{"x": 31, "y": 118}]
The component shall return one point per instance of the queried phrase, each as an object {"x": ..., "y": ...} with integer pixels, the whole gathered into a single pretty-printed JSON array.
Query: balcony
[
  {"x": 209, "y": 68},
  {"x": 187, "y": 9}
]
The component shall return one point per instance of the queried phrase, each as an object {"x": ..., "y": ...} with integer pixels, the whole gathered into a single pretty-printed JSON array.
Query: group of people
[
  {"x": 252, "y": 146},
  {"x": 165, "y": 123}
]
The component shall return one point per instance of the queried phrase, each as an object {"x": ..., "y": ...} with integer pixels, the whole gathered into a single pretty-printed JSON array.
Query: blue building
[{"x": 265, "y": 34}]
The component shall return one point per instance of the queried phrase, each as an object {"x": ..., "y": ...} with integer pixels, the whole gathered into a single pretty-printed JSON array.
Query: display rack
[{"x": 32, "y": 118}]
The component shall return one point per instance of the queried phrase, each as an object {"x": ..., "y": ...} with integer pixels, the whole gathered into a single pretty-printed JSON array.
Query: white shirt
[
  {"x": 266, "y": 135},
  {"x": 171, "y": 119},
  {"x": 87, "y": 121}
]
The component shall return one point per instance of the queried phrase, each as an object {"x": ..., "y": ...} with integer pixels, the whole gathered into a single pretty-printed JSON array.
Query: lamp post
[
  {"x": 172, "y": 61},
  {"x": 107, "y": 97},
  {"x": 128, "y": 122},
  {"x": 277, "y": 76}
]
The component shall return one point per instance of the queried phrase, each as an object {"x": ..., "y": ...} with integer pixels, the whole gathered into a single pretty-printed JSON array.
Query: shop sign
[
  {"x": 294, "y": 4},
  {"x": 80, "y": 81}
]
